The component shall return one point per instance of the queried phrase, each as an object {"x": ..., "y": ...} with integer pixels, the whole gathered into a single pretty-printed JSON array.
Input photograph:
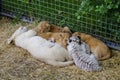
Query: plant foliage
[{"x": 111, "y": 8}]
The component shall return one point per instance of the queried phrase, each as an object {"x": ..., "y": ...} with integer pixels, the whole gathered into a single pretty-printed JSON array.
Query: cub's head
[
  {"x": 19, "y": 31},
  {"x": 74, "y": 39},
  {"x": 66, "y": 30},
  {"x": 84, "y": 37},
  {"x": 43, "y": 27}
]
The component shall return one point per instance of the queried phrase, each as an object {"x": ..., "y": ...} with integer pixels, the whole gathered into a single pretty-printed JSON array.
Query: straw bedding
[{"x": 17, "y": 64}]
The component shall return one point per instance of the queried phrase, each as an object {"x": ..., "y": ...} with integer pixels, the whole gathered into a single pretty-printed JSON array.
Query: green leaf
[{"x": 78, "y": 17}]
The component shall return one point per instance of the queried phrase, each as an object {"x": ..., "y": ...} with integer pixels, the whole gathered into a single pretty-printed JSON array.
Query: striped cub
[{"x": 81, "y": 55}]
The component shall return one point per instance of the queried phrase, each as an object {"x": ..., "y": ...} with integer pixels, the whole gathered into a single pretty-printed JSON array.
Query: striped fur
[{"x": 81, "y": 55}]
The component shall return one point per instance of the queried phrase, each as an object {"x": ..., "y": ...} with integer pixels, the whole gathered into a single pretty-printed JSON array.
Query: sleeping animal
[
  {"x": 45, "y": 26},
  {"x": 97, "y": 47},
  {"x": 48, "y": 31},
  {"x": 60, "y": 38},
  {"x": 80, "y": 53},
  {"x": 46, "y": 51}
]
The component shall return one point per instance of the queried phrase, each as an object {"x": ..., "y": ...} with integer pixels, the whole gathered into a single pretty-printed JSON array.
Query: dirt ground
[{"x": 17, "y": 64}]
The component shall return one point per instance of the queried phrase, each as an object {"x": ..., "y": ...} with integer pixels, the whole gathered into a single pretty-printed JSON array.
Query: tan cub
[
  {"x": 45, "y": 26},
  {"x": 48, "y": 31},
  {"x": 60, "y": 38},
  {"x": 97, "y": 47}
]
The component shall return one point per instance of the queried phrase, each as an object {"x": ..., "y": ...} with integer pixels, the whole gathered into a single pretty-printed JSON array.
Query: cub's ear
[
  {"x": 79, "y": 41},
  {"x": 69, "y": 41},
  {"x": 79, "y": 38}
]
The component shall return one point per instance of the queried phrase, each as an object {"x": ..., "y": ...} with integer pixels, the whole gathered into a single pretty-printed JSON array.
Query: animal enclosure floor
[{"x": 17, "y": 64}]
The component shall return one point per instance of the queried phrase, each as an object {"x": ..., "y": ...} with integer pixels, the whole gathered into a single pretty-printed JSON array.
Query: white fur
[
  {"x": 80, "y": 53},
  {"x": 46, "y": 51}
]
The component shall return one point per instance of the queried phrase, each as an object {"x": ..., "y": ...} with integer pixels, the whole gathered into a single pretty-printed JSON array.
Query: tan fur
[
  {"x": 47, "y": 31},
  {"x": 42, "y": 27},
  {"x": 98, "y": 48},
  {"x": 60, "y": 37},
  {"x": 55, "y": 28},
  {"x": 45, "y": 26}
]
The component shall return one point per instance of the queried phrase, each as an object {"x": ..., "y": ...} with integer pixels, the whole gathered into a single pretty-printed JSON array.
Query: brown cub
[
  {"x": 97, "y": 47},
  {"x": 48, "y": 31}
]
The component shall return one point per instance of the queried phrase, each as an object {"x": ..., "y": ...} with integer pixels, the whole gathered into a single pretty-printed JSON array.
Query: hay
[{"x": 18, "y": 64}]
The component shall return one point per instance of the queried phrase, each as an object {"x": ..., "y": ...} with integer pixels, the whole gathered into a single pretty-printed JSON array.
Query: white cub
[
  {"x": 81, "y": 55},
  {"x": 46, "y": 51}
]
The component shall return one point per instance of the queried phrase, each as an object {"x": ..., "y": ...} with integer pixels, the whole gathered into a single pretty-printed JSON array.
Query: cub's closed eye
[
  {"x": 74, "y": 40},
  {"x": 70, "y": 40},
  {"x": 21, "y": 27}
]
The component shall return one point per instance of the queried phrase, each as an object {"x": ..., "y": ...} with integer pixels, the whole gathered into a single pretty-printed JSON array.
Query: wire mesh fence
[{"x": 62, "y": 13}]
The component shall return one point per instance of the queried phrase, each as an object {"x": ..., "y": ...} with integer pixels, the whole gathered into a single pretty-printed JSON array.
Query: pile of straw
[{"x": 17, "y": 64}]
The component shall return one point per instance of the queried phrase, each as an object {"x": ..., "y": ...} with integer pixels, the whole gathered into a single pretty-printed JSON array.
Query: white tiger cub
[{"x": 81, "y": 55}]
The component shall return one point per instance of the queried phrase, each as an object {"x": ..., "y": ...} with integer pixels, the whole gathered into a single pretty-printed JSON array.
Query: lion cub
[
  {"x": 48, "y": 31},
  {"x": 97, "y": 47},
  {"x": 60, "y": 38},
  {"x": 45, "y": 26}
]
